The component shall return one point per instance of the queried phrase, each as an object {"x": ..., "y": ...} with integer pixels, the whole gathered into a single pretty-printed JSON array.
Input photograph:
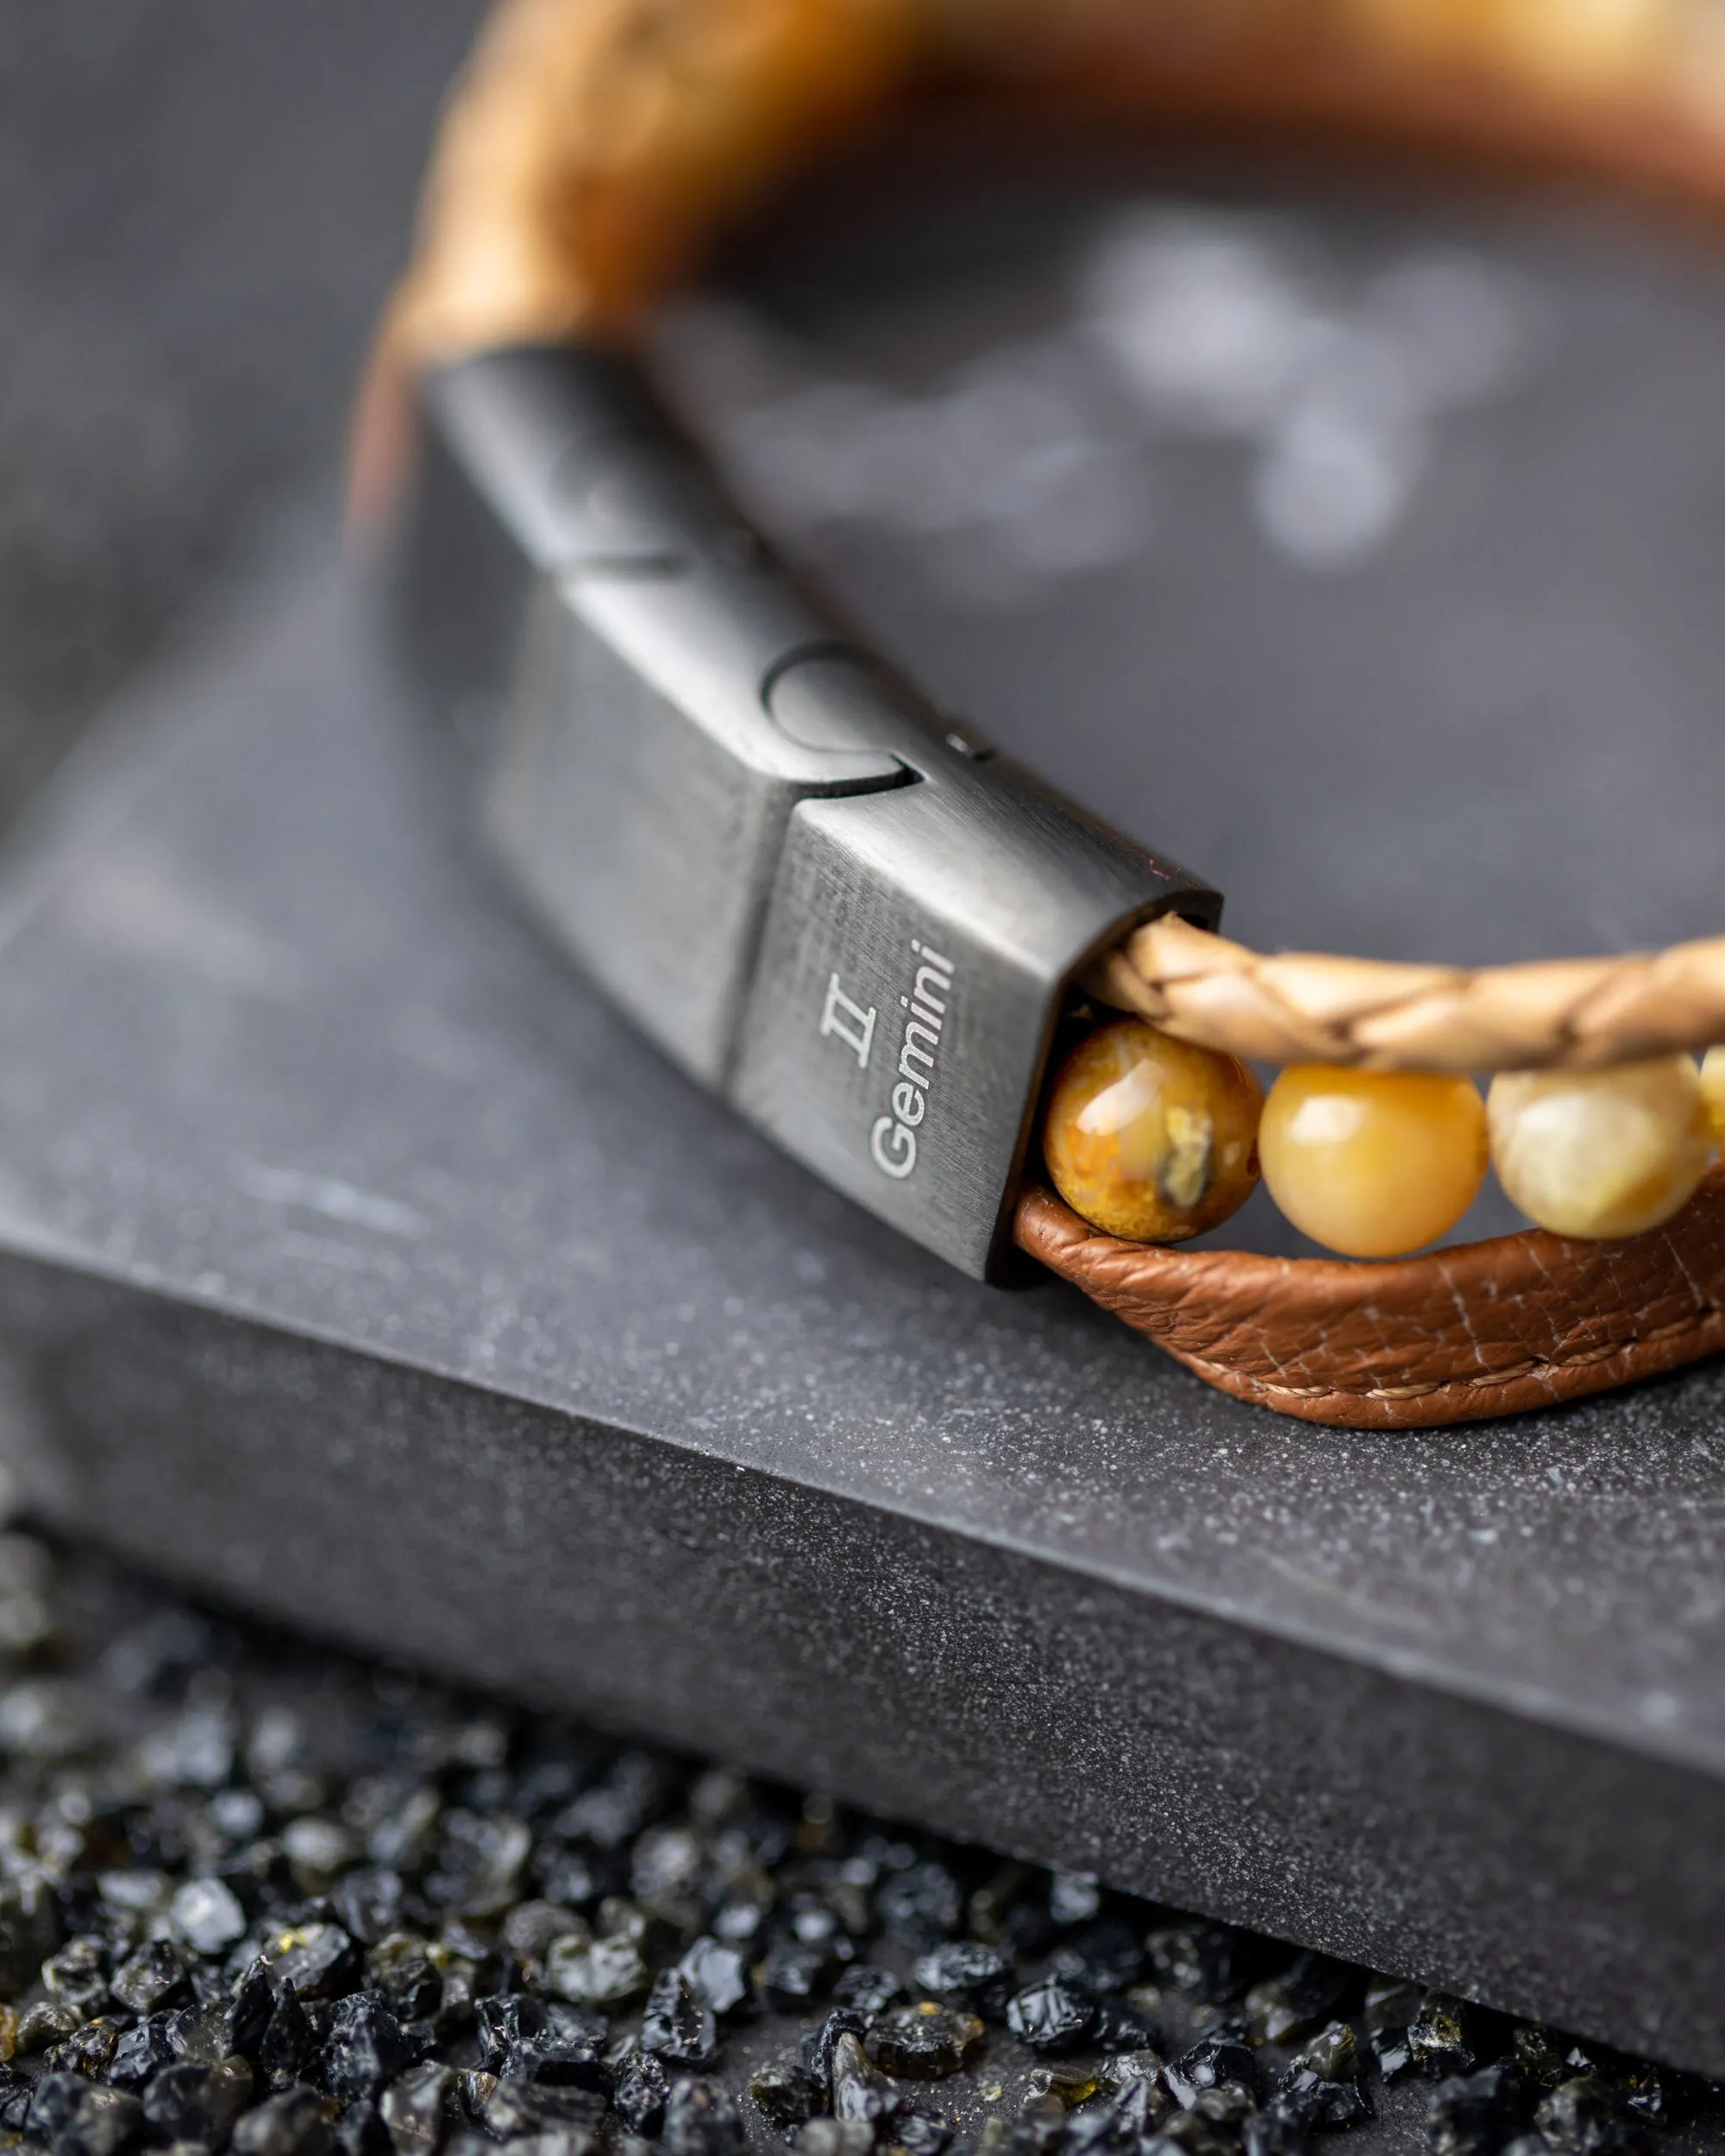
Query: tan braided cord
[
  {"x": 1571, "y": 1013},
  {"x": 591, "y": 146}
]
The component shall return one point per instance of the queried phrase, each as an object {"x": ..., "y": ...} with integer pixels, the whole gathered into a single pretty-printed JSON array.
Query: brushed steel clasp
[
  {"x": 822, "y": 898},
  {"x": 919, "y": 944}
]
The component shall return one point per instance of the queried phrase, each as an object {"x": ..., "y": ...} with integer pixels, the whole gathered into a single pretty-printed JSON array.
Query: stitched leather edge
[{"x": 1494, "y": 1328}]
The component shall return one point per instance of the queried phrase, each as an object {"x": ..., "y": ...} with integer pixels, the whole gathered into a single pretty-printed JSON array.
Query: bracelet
[{"x": 835, "y": 905}]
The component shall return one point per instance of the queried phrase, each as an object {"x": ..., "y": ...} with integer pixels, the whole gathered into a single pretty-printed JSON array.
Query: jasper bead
[
  {"x": 1602, "y": 1153},
  {"x": 1370, "y": 1164},
  {"x": 1150, "y": 1139},
  {"x": 1713, "y": 1093}
]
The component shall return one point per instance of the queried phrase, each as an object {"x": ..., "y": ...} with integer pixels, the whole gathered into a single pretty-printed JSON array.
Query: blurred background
[{"x": 200, "y": 204}]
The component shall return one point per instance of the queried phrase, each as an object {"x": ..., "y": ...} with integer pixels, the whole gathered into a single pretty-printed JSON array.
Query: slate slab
[{"x": 359, "y": 1266}]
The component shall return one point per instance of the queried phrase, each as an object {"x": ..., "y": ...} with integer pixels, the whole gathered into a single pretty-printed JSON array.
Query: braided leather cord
[{"x": 1573, "y": 1013}]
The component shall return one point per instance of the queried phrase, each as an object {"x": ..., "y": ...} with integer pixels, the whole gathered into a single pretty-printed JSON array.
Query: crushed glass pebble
[
  {"x": 676, "y": 2025},
  {"x": 717, "y": 1974},
  {"x": 417, "y": 2106},
  {"x": 1586, "y": 2117},
  {"x": 190, "y": 2101},
  {"x": 1103, "y": 1958},
  {"x": 603, "y": 1973},
  {"x": 1073, "y": 2086},
  {"x": 860, "y": 2091},
  {"x": 70, "y": 2115},
  {"x": 154, "y": 1976},
  {"x": 541, "y": 2039},
  {"x": 792, "y": 1976},
  {"x": 1050, "y": 2016},
  {"x": 1121, "y": 2026},
  {"x": 702, "y": 2119},
  {"x": 513, "y": 2109},
  {"x": 285, "y": 2046},
  {"x": 639, "y": 2090},
  {"x": 1284, "y": 2008},
  {"x": 965, "y": 1973},
  {"x": 920, "y": 1906},
  {"x": 1203, "y": 1960},
  {"x": 89, "y": 2050},
  {"x": 786, "y": 2092},
  {"x": 926, "y": 2043},
  {"x": 870, "y": 1990},
  {"x": 294, "y": 2123},
  {"x": 922, "y": 2133},
  {"x": 364, "y": 2047},
  {"x": 207, "y": 1915},
  {"x": 1475, "y": 2114},
  {"x": 835, "y": 2137},
  {"x": 1216, "y": 2060}
]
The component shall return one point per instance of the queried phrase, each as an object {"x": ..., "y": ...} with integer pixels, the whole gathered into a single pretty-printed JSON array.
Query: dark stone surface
[{"x": 363, "y": 1268}]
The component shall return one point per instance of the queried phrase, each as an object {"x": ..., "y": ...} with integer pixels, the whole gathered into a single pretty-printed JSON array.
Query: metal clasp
[{"x": 854, "y": 921}]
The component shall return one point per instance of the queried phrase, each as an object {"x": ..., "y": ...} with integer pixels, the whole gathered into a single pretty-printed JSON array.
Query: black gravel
[{"x": 260, "y": 1896}]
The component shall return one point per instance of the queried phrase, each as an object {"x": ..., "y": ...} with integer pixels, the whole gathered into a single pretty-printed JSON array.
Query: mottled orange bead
[
  {"x": 1713, "y": 1093},
  {"x": 1373, "y": 1163},
  {"x": 1150, "y": 1138}
]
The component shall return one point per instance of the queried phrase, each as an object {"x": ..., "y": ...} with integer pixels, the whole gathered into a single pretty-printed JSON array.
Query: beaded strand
[{"x": 1157, "y": 1140}]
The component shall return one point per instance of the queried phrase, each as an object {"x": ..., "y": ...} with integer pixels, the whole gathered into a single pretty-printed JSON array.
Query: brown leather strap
[{"x": 1487, "y": 1329}]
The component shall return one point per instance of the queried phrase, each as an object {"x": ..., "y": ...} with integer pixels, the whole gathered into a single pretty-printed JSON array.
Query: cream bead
[
  {"x": 1151, "y": 1138},
  {"x": 1372, "y": 1164},
  {"x": 1713, "y": 1093},
  {"x": 1604, "y": 1153}
]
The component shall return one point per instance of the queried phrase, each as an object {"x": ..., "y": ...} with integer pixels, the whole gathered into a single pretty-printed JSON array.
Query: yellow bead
[
  {"x": 1372, "y": 1164},
  {"x": 1713, "y": 1093},
  {"x": 1150, "y": 1139},
  {"x": 1601, "y": 1153}
]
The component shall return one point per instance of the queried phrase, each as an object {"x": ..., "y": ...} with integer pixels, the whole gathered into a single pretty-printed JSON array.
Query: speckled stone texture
[{"x": 361, "y": 1266}]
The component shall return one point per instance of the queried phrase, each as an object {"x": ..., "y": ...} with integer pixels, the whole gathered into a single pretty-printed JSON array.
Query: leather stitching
[{"x": 1483, "y": 1380}]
